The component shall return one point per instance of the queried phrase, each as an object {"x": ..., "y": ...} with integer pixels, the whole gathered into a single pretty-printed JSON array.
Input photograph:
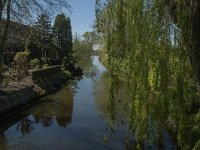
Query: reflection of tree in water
[
  {"x": 89, "y": 69},
  {"x": 112, "y": 102},
  {"x": 151, "y": 122},
  {"x": 3, "y": 142},
  {"x": 57, "y": 107},
  {"x": 25, "y": 126}
]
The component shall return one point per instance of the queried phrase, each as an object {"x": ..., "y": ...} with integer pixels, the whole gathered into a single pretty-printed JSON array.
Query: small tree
[{"x": 21, "y": 65}]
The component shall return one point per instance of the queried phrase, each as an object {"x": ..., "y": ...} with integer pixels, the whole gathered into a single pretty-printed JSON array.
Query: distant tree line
[{"x": 84, "y": 45}]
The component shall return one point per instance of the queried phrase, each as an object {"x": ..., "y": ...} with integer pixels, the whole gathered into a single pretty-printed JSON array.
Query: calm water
[{"x": 76, "y": 117}]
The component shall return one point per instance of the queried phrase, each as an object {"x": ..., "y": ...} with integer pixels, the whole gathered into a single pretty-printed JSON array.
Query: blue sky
[{"x": 82, "y": 15}]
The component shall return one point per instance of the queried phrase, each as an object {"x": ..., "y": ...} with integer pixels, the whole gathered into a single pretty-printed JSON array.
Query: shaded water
[{"x": 76, "y": 117}]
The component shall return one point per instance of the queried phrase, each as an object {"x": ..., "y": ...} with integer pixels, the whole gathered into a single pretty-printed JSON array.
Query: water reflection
[
  {"x": 3, "y": 142},
  {"x": 53, "y": 112},
  {"x": 143, "y": 129},
  {"x": 150, "y": 123},
  {"x": 25, "y": 126},
  {"x": 56, "y": 108},
  {"x": 97, "y": 112},
  {"x": 90, "y": 69}
]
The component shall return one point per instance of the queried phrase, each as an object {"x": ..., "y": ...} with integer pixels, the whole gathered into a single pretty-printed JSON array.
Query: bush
[
  {"x": 70, "y": 67},
  {"x": 67, "y": 74},
  {"x": 45, "y": 66},
  {"x": 67, "y": 65},
  {"x": 35, "y": 63},
  {"x": 21, "y": 65}
]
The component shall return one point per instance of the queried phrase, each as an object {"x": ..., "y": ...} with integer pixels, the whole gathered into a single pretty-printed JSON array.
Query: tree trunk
[
  {"x": 194, "y": 46},
  {"x": 4, "y": 35},
  {"x": 1, "y": 9},
  {"x": 190, "y": 30}
]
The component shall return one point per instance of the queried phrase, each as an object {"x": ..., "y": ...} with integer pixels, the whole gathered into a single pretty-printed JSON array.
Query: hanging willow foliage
[{"x": 153, "y": 42}]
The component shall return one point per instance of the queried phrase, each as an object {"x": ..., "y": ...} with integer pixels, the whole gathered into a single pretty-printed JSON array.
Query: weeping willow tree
[{"x": 155, "y": 44}]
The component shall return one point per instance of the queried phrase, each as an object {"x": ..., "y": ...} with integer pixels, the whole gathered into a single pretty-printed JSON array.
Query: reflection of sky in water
[
  {"x": 85, "y": 129},
  {"x": 100, "y": 67}
]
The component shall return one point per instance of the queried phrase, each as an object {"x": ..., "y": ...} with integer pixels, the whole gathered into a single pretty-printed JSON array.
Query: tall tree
[
  {"x": 7, "y": 4},
  {"x": 62, "y": 35},
  {"x": 24, "y": 10},
  {"x": 39, "y": 42},
  {"x": 186, "y": 15},
  {"x": 43, "y": 27}
]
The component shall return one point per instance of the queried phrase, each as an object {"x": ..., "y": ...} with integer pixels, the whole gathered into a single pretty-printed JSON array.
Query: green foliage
[
  {"x": 21, "y": 60},
  {"x": 90, "y": 38},
  {"x": 67, "y": 74},
  {"x": 45, "y": 66},
  {"x": 144, "y": 45},
  {"x": 21, "y": 57},
  {"x": 39, "y": 42},
  {"x": 197, "y": 146},
  {"x": 81, "y": 47},
  {"x": 66, "y": 64},
  {"x": 62, "y": 35},
  {"x": 35, "y": 63}
]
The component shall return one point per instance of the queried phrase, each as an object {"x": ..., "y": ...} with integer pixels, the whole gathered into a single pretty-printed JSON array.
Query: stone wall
[{"x": 41, "y": 74}]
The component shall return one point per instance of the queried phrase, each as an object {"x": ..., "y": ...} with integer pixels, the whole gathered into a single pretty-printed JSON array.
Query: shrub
[
  {"x": 35, "y": 63},
  {"x": 70, "y": 67},
  {"x": 67, "y": 74},
  {"x": 67, "y": 65},
  {"x": 45, "y": 66},
  {"x": 21, "y": 65}
]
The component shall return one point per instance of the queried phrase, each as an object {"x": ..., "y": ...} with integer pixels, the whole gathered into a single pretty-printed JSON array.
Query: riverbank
[{"x": 27, "y": 91}]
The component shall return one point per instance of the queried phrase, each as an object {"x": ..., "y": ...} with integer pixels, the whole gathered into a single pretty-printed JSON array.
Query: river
[{"x": 76, "y": 117}]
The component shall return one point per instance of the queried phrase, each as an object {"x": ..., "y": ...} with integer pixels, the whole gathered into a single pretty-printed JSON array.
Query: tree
[
  {"x": 155, "y": 44},
  {"x": 186, "y": 15},
  {"x": 43, "y": 34},
  {"x": 90, "y": 38},
  {"x": 33, "y": 44},
  {"x": 76, "y": 46},
  {"x": 83, "y": 46},
  {"x": 5, "y": 32},
  {"x": 21, "y": 65},
  {"x": 62, "y": 36},
  {"x": 24, "y": 10}
]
